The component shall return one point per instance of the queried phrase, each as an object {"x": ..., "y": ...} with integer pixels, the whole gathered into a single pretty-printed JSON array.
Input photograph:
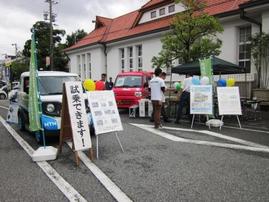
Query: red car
[{"x": 130, "y": 87}]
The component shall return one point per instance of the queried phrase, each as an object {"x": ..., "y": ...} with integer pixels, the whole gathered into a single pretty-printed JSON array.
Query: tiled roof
[{"x": 108, "y": 30}]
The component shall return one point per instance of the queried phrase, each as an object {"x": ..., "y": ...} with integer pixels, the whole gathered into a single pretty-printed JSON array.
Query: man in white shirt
[
  {"x": 163, "y": 112},
  {"x": 184, "y": 98},
  {"x": 157, "y": 88}
]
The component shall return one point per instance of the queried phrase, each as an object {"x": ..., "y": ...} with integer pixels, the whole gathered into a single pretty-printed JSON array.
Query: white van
[{"x": 50, "y": 88}]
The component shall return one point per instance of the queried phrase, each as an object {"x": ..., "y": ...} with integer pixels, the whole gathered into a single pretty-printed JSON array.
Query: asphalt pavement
[{"x": 171, "y": 164}]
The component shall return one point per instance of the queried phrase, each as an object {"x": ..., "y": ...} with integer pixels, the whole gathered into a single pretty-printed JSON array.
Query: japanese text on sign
[{"x": 78, "y": 116}]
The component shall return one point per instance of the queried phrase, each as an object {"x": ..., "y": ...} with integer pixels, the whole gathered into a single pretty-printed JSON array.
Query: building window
[
  {"x": 162, "y": 11},
  {"x": 130, "y": 58},
  {"x": 89, "y": 62},
  {"x": 122, "y": 59},
  {"x": 153, "y": 14},
  {"x": 171, "y": 8},
  {"x": 244, "y": 47},
  {"x": 139, "y": 57},
  {"x": 79, "y": 65},
  {"x": 84, "y": 74}
]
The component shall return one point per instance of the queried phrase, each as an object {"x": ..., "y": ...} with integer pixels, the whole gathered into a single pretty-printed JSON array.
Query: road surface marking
[
  {"x": 237, "y": 128},
  {"x": 218, "y": 135},
  {"x": 200, "y": 142},
  {"x": 248, "y": 129},
  {"x": 114, "y": 190},
  {"x": 60, "y": 182}
]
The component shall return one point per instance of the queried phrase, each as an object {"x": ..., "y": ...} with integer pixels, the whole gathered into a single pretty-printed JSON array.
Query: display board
[
  {"x": 201, "y": 101},
  {"x": 229, "y": 101},
  {"x": 104, "y": 111},
  {"x": 12, "y": 116},
  {"x": 78, "y": 117}
]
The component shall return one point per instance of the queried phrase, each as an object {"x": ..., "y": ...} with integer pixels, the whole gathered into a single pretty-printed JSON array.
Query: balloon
[
  {"x": 204, "y": 80},
  {"x": 230, "y": 82},
  {"x": 195, "y": 81},
  {"x": 100, "y": 85},
  {"x": 222, "y": 83},
  {"x": 177, "y": 86},
  {"x": 89, "y": 85}
]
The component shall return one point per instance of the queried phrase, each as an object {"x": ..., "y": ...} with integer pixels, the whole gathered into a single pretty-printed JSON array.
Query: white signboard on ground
[
  {"x": 104, "y": 111},
  {"x": 78, "y": 116},
  {"x": 201, "y": 101},
  {"x": 229, "y": 101},
  {"x": 12, "y": 116}
]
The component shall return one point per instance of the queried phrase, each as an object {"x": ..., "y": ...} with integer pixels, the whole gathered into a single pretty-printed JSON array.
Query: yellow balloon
[
  {"x": 230, "y": 82},
  {"x": 89, "y": 85}
]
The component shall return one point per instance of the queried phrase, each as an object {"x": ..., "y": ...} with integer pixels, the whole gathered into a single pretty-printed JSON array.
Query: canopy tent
[{"x": 219, "y": 67}]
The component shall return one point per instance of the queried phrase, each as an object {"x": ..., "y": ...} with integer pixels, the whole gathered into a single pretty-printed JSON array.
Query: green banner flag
[
  {"x": 33, "y": 105},
  {"x": 206, "y": 68}
]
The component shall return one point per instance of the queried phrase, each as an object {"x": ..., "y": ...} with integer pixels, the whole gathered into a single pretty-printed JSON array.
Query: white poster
[
  {"x": 229, "y": 101},
  {"x": 201, "y": 101},
  {"x": 104, "y": 111},
  {"x": 78, "y": 116},
  {"x": 12, "y": 116}
]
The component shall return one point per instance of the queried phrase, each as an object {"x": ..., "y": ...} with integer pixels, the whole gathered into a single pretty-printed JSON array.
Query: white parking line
[
  {"x": 114, "y": 190},
  {"x": 200, "y": 142},
  {"x": 236, "y": 128},
  {"x": 218, "y": 135},
  {"x": 247, "y": 129},
  {"x": 4, "y": 107},
  {"x": 57, "y": 179}
]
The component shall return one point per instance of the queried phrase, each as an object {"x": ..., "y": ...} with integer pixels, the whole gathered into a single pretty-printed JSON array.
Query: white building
[{"x": 128, "y": 42}]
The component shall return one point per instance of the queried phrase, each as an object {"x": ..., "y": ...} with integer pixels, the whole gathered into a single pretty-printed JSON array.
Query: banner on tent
[
  {"x": 201, "y": 99},
  {"x": 206, "y": 68},
  {"x": 104, "y": 111},
  {"x": 229, "y": 101}
]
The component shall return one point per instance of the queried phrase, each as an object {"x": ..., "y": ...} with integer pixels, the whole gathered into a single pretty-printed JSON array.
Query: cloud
[{"x": 18, "y": 16}]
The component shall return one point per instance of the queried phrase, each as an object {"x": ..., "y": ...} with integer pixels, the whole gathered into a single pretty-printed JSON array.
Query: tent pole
[{"x": 169, "y": 95}]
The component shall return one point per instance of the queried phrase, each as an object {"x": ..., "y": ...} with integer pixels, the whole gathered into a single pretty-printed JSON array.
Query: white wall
[
  {"x": 150, "y": 47},
  {"x": 230, "y": 40},
  {"x": 97, "y": 62},
  {"x": 146, "y": 17},
  {"x": 265, "y": 21}
]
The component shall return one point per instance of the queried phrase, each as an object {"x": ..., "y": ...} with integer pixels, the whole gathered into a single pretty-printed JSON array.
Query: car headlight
[
  {"x": 138, "y": 94},
  {"x": 50, "y": 108}
]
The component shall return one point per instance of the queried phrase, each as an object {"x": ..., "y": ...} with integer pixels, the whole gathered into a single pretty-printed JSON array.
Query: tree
[
  {"x": 42, "y": 30},
  {"x": 260, "y": 55},
  {"x": 193, "y": 35},
  {"x": 74, "y": 37},
  {"x": 17, "y": 67}
]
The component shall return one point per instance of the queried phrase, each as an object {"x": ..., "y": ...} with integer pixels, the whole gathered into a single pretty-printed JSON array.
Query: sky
[{"x": 18, "y": 16}]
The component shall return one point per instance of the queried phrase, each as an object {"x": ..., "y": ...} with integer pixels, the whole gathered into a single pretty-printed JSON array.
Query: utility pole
[
  {"x": 51, "y": 19},
  {"x": 16, "y": 49}
]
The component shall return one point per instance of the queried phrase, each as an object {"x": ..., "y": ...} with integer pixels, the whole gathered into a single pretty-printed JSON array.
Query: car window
[
  {"x": 52, "y": 85},
  {"x": 128, "y": 81}
]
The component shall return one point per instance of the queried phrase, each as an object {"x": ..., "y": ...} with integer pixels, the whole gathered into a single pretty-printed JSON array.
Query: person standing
[
  {"x": 103, "y": 79},
  {"x": 110, "y": 84},
  {"x": 163, "y": 112},
  {"x": 184, "y": 98},
  {"x": 157, "y": 88}
]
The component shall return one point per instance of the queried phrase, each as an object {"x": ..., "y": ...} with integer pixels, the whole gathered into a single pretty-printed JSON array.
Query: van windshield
[
  {"x": 53, "y": 85},
  {"x": 128, "y": 82}
]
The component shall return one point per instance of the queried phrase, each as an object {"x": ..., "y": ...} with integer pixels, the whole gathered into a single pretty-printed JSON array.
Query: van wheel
[
  {"x": 2, "y": 97},
  {"x": 21, "y": 123}
]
